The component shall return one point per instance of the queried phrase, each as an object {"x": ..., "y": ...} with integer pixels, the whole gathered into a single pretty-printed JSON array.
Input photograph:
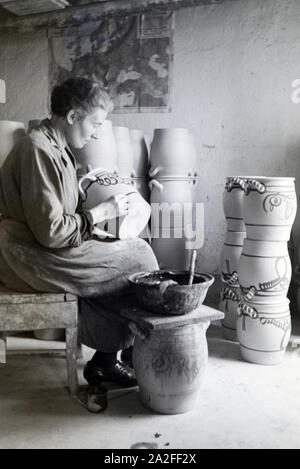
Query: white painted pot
[
  {"x": 172, "y": 153},
  {"x": 269, "y": 208},
  {"x": 174, "y": 198},
  {"x": 231, "y": 253},
  {"x": 97, "y": 186},
  {"x": 263, "y": 332},
  {"x": 171, "y": 190},
  {"x": 125, "y": 156},
  {"x": 140, "y": 153},
  {"x": 171, "y": 252},
  {"x": 264, "y": 270},
  {"x": 233, "y": 197},
  {"x": 141, "y": 185},
  {"x": 230, "y": 298},
  {"x": 100, "y": 152},
  {"x": 10, "y": 133}
]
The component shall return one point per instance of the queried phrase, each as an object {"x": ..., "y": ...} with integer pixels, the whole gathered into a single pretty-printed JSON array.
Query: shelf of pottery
[{"x": 256, "y": 267}]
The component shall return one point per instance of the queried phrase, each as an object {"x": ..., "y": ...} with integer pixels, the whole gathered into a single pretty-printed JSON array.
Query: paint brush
[{"x": 192, "y": 266}]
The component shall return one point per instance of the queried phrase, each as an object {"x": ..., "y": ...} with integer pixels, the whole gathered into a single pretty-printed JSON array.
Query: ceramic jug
[
  {"x": 232, "y": 203},
  {"x": 172, "y": 154},
  {"x": 269, "y": 207},
  {"x": 170, "y": 247},
  {"x": 264, "y": 271},
  {"x": 124, "y": 147},
  {"x": 175, "y": 196},
  {"x": 140, "y": 153},
  {"x": 99, "y": 152},
  {"x": 141, "y": 185},
  {"x": 230, "y": 257},
  {"x": 263, "y": 331},
  {"x": 97, "y": 186},
  {"x": 230, "y": 298}
]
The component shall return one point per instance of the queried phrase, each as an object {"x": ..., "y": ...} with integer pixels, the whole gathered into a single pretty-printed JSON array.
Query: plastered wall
[{"x": 234, "y": 65}]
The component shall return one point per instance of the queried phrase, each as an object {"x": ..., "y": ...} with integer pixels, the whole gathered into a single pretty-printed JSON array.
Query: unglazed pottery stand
[{"x": 169, "y": 356}]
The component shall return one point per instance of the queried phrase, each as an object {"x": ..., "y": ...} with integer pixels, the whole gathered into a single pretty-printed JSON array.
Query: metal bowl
[{"x": 157, "y": 291}]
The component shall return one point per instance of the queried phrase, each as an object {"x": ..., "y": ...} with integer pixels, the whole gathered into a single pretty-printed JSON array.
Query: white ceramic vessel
[
  {"x": 140, "y": 153},
  {"x": 97, "y": 186},
  {"x": 264, "y": 270},
  {"x": 263, "y": 332},
  {"x": 174, "y": 189},
  {"x": 141, "y": 185},
  {"x": 125, "y": 157},
  {"x": 171, "y": 251},
  {"x": 269, "y": 208},
  {"x": 100, "y": 152},
  {"x": 230, "y": 298},
  {"x": 10, "y": 133},
  {"x": 172, "y": 153},
  {"x": 175, "y": 197},
  {"x": 230, "y": 256},
  {"x": 233, "y": 197}
]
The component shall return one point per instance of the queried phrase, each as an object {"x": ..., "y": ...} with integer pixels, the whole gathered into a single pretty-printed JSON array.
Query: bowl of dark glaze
[{"x": 168, "y": 292}]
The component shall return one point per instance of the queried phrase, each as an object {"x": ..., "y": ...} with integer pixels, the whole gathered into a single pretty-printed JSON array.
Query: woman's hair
[{"x": 80, "y": 94}]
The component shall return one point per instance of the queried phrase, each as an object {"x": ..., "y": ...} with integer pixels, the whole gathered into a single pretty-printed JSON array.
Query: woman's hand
[{"x": 115, "y": 206}]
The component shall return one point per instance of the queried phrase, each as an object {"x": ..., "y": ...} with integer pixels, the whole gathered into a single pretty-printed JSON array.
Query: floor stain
[{"x": 144, "y": 445}]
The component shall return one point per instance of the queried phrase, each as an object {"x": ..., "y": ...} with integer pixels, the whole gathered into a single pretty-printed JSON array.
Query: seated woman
[{"x": 47, "y": 243}]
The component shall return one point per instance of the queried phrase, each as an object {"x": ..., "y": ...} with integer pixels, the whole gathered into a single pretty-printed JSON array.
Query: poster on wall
[{"x": 131, "y": 57}]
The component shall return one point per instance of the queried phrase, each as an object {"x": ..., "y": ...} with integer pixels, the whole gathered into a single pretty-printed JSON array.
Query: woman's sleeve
[{"x": 42, "y": 194}]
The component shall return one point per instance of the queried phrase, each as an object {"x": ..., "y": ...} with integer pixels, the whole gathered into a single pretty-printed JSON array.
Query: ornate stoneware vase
[{"x": 263, "y": 331}]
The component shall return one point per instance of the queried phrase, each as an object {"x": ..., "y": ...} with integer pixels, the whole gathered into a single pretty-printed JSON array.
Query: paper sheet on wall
[{"x": 131, "y": 56}]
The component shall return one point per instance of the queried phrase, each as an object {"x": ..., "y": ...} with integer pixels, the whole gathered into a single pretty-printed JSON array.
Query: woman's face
[{"x": 81, "y": 130}]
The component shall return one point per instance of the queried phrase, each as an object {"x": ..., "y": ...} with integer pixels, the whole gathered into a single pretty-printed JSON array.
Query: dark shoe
[
  {"x": 118, "y": 373},
  {"x": 126, "y": 356}
]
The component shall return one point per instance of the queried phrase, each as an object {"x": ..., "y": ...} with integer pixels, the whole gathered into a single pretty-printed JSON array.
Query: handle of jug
[
  {"x": 256, "y": 185},
  {"x": 156, "y": 184},
  {"x": 155, "y": 171}
]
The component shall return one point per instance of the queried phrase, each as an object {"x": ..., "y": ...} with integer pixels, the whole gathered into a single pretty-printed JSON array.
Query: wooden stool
[
  {"x": 169, "y": 356},
  {"x": 30, "y": 311}
]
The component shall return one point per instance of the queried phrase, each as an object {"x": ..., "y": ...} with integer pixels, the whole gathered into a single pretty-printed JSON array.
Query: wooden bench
[{"x": 31, "y": 311}]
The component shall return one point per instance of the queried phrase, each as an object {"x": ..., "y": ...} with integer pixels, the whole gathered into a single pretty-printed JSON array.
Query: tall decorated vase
[
  {"x": 231, "y": 252},
  {"x": 264, "y": 325}
]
